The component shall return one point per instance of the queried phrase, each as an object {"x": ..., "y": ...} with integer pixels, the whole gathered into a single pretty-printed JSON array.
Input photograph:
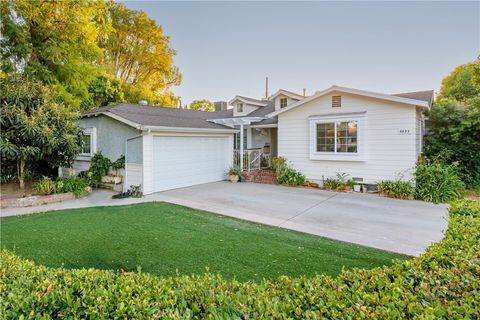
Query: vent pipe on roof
[
  {"x": 143, "y": 102},
  {"x": 266, "y": 88}
]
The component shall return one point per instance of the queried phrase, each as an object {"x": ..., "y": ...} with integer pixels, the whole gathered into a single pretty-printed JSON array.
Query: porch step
[{"x": 261, "y": 176}]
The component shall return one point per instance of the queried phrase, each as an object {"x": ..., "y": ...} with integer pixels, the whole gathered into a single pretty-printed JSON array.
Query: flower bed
[{"x": 442, "y": 283}]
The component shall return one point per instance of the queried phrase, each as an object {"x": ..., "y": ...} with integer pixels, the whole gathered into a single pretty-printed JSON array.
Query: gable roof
[
  {"x": 427, "y": 95},
  {"x": 247, "y": 100},
  {"x": 144, "y": 117},
  {"x": 287, "y": 93},
  {"x": 376, "y": 95}
]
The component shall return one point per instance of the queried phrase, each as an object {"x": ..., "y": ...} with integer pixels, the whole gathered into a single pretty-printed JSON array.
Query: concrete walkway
[{"x": 396, "y": 225}]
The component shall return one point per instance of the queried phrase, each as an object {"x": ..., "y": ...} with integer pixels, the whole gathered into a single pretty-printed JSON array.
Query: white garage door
[{"x": 185, "y": 161}]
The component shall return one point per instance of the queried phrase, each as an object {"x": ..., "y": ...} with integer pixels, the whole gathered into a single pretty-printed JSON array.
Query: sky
[{"x": 227, "y": 48}]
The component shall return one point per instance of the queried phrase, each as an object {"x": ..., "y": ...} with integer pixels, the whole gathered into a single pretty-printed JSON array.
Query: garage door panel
[{"x": 186, "y": 161}]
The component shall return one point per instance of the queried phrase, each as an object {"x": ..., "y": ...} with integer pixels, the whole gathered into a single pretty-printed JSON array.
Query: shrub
[
  {"x": 287, "y": 175},
  {"x": 234, "y": 171},
  {"x": 331, "y": 184},
  {"x": 397, "y": 189},
  {"x": 442, "y": 283},
  {"x": 437, "y": 182},
  {"x": 45, "y": 186},
  {"x": 465, "y": 208},
  {"x": 99, "y": 167},
  {"x": 76, "y": 185}
]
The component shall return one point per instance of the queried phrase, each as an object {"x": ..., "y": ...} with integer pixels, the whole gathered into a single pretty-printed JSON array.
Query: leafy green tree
[
  {"x": 103, "y": 91},
  {"x": 137, "y": 52},
  {"x": 55, "y": 42},
  {"x": 462, "y": 84},
  {"x": 202, "y": 105},
  {"x": 453, "y": 135},
  {"x": 36, "y": 125}
]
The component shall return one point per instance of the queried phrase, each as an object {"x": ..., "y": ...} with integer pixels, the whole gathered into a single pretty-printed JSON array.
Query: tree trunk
[{"x": 20, "y": 172}]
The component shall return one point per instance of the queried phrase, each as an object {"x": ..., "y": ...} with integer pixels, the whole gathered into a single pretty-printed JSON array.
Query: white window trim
[
  {"x": 338, "y": 156},
  {"x": 238, "y": 107},
  {"x": 280, "y": 102},
  {"x": 93, "y": 144}
]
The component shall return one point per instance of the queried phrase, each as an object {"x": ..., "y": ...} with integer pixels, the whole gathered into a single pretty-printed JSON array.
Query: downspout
[{"x": 126, "y": 158}]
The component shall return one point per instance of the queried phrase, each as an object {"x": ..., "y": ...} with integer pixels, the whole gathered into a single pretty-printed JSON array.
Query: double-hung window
[
  {"x": 283, "y": 102},
  {"x": 336, "y": 138}
]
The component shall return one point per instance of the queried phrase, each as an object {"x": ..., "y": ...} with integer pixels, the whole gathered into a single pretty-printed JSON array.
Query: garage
[{"x": 186, "y": 160}]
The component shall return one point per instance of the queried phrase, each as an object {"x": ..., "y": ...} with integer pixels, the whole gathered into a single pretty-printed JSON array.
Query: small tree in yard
[{"x": 35, "y": 125}]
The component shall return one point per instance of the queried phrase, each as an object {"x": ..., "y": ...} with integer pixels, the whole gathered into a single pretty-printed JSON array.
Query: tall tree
[
  {"x": 35, "y": 125},
  {"x": 103, "y": 90},
  {"x": 55, "y": 42},
  {"x": 462, "y": 84},
  {"x": 202, "y": 105},
  {"x": 138, "y": 53}
]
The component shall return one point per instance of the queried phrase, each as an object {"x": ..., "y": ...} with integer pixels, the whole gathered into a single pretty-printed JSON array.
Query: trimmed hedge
[{"x": 442, "y": 283}]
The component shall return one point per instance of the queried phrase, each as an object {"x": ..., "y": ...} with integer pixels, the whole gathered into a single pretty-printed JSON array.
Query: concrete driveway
[{"x": 396, "y": 225}]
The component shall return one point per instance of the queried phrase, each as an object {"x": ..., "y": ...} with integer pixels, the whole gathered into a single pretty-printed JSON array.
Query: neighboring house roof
[
  {"x": 145, "y": 117},
  {"x": 287, "y": 93},
  {"x": 247, "y": 100},
  {"x": 376, "y": 95},
  {"x": 427, "y": 95}
]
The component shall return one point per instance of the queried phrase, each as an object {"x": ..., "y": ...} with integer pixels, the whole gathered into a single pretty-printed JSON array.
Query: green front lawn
[{"x": 164, "y": 238}]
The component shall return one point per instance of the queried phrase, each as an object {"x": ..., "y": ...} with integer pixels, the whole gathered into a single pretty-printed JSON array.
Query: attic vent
[{"x": 336, "y": 101}]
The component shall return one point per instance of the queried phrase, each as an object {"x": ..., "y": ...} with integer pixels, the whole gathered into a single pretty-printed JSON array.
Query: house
[{"x": 369, "y": 136}]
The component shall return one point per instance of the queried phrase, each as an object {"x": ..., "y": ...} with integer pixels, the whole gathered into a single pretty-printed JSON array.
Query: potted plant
[
  {"x": 349, "y": 185},
  {"x": 234, "y": 174}
]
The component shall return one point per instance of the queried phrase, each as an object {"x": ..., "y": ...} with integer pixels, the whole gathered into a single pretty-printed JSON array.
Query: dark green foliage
[
  {"x": 454, "y": 135},
  {"x": 99, "y": 167},
  {"x": 441, "y": 284},
  {"x": 397, "y": 189},
  {"x": 103, "y": 91},
  {"x": 287, "y": 175},
  {"x": 119, "y": 163},
  {"x": 165, "y": 239},
  {"x": 437, "y": 182}
]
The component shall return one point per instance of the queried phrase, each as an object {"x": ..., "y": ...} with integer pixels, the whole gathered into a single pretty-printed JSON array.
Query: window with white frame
[
  {"x": 283, "y": 102},
  {"x": 88, "y": 143},
  {"x": 239, "y": 107},
  {"x": 336, "y": 138}
]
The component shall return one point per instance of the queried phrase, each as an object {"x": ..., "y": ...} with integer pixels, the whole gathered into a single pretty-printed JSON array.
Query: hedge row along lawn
[
  {"x": 164, "y": 239},
  {"x": 442, "y": 283}
]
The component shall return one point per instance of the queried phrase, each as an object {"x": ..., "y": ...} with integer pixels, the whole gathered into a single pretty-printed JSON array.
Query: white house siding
[
  {"x": 419, "y": 132},
  {"x": 247, "y": 108},
  {"x": 387, "y": 155}
]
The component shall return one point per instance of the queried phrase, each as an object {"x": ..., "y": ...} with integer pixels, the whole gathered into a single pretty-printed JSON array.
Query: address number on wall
[{"x": 404, "y": 131}]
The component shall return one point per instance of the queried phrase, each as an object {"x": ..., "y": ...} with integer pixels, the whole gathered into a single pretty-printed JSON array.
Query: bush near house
[
  {"x": 76, "y": 185},
  {"x": 442, "y": 283},
  {"x": 436, "y": 181},
  {"x": 397, "y": 189},
  {"x": 286, "y": 175}
]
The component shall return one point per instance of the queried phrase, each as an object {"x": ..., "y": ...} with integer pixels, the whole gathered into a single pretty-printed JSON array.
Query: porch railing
[{"x": 253, "y": 159}]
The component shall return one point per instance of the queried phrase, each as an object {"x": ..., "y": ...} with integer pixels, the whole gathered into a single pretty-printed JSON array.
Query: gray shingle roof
[
  {"x": 164, "y": 117},
  {"x": 253, "y": 100},
  {"x": 262, "y": 112},
  {"x": 417, "y": 95}
]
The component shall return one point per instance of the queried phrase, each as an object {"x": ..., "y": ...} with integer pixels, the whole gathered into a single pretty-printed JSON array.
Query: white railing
[{"x": 252, "y": 159}]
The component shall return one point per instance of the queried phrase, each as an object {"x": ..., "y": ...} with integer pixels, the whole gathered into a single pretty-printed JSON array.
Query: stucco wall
[
  {"x": 387, "y": 153},
  {"x": 111, "y": 135}
]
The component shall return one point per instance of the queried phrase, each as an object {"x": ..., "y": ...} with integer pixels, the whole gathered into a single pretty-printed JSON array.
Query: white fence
[{"x": 253, "y": 159}]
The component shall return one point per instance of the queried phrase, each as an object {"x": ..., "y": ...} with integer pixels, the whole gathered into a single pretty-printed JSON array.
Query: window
[
  {"x": 283, "y": 102},
  {"x": 88, "y": 143},
  {"x": 336, "y": 101},
  {"x": 86, "y": 146},
  {"x": 239, "y": 107},
  {"x": 237, "y": 140},
  {"x": 337, "y": 137}
]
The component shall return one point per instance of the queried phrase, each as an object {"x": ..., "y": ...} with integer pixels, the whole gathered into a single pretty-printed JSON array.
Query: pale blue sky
[{"x": 228, "y": 48}]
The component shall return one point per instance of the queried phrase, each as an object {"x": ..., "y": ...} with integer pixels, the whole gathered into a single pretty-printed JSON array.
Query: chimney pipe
[
  {"x": 304, "y": 92},
  {"x": 266, "y": 88}
]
